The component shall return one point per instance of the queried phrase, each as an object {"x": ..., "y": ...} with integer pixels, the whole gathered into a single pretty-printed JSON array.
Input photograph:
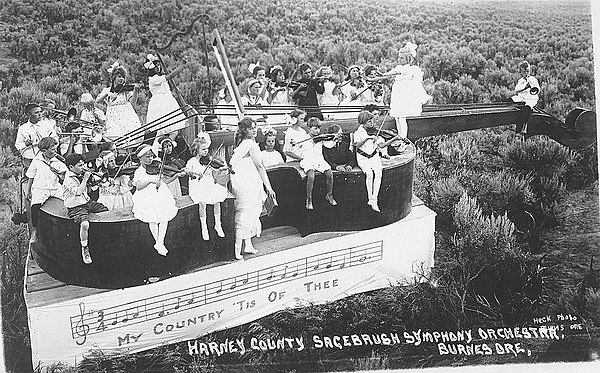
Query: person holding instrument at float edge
[
  {"x": 312, "y": 161},
  {"x": 367, "y": 156},
  {"x": 44, "y": 175},
  {"x": 121, "y": 118},
  {"x": 30, "y": 133},
  {"x": 162, "y": 101},
  {"x": 248, "y": 183},
  {"x": 78, "y": 202},
  {"x": 115, "y": 190},
  {"x": 526, "y": 91},
  {"x": 337, "y": 151},
  {"x": 306, "y": 92},
  {"x": 408, "y": 94},
  {"x": 204, "y": 190},
  {"x": 294, "y": 135},
  {"x": 153, "y": 202}
]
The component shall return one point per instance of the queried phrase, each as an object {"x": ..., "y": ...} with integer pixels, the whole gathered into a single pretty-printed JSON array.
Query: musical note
[
  {"x": 162, "y": 312},
  {"x": 126, "y": 318},
  {"x": 115, "y": 322},
  {"x": 220, "y": 289},
  {"x": 137, "y": 313},
  {"x": 296, "y": 273},
  {"x": 318, "y": 263},
  {"x": 343, "y": 263},
  {"x": 284, "y": 272},
  {"x": 81, "y": 328},
  {"x": 330, "y": 261},
  {"x": 234, "y": 284},
  {"x": 270, "y": 275},
  {"x": 246, "y": 279},
  {"x": 191, "y": 299},
  {"x": 364, "y": 257}
]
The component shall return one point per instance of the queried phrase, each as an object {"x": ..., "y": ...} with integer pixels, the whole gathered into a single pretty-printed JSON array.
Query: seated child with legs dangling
[
  {"x": 367, "y": 156},
  {"x": 204, "y": 189},
  {"x": 337, "y": 151},
  {"x": 45, "y": 173},
  {"x": 77, "y": 200},
  {"x": 153, "y": 202},
  {"x": 313, "y": 161}
]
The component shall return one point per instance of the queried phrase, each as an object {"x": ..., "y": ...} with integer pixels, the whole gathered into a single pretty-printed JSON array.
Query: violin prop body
[{"x": 396, "y": 146}]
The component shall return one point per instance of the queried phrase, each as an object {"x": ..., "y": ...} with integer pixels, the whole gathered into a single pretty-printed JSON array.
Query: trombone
[{"x": 73, "y": 122}]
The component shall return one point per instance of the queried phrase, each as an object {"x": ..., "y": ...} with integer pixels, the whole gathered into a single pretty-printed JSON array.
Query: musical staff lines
[{"x": 89, "y": 322}]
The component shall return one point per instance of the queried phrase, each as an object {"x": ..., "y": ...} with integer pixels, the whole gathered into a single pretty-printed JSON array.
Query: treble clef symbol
[{"x": 81, "y": 328}]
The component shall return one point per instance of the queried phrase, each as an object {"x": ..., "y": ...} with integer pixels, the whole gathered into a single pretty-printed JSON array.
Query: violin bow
[
  {"x": 211, "y": 157},
  {"x": 161, "y": 168},
  {"x": 382, "y": 123}
]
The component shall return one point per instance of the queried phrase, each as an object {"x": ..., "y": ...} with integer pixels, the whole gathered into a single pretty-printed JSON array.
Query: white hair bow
[
  {"x": 409, "y": 47},
  {"x": 268, "y": 130},
  {"x": 252, "y": 66},
  {"x": 113, "y": 67},
  {"x": 150, "y": 63}
]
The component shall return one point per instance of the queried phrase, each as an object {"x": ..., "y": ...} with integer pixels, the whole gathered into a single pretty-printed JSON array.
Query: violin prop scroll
[{"x": 187, "y": 31}]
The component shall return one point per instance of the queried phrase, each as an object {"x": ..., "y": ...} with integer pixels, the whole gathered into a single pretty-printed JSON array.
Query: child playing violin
[
  {"x": 367, "y": 156},
  {"x": 167, "y": 155},
  {"x": 337, "y": 151},
  {"x": 77, "y": 200},
  {"x": 44, "y": 174},
  {"x": 203, "y": 187},
  {"x": 115, "y": 189},
  {"x": 294, "y": 135},
  {"x": 312, "y": 161},
  {"x": 153, "y": 203}
]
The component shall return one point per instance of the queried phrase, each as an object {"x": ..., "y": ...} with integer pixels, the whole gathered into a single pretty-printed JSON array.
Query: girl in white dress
[
  {"x": 270, "y": 155},
  {"x": 203, "y": 188},
  {"x": 332, "y": 91},
  {"x": 293, "y": 136},
  {"x": 248, "y": 183},
  {"x": 368, "y": 158},
  {"x": 352, "y": 89},
  {"x": 313, "y": 161},
  {"x": 153, "y": 203},
  {"x": 162, "y": 101},
  {"x": 408, "y": 94},
  {"x": 115, "y": 192},
  {"x": 119, "y": 99}
]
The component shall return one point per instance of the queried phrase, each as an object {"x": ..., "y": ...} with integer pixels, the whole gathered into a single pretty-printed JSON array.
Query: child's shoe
[
  {"x": 329, "y": 198},
  {"x": 161, "y": 249},
  {"x": 85, "y": 254},
  {"x": 309, "y": 205},
  {"x": 374, "y": 206},
  {"x": 218, "y": 227},
  {"x": 249, "y": 249}
]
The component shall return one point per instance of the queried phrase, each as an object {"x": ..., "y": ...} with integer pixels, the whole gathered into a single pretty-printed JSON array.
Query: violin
[
  {"x": 167, "y": 170},
  {"x": 318, "y": 138},
  {"x": 385, "y": 134},
  {"x": 215, "y": 163}
]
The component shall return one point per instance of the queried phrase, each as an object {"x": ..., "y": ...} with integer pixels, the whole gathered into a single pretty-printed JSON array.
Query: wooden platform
[{"x": 42, "y": 289}]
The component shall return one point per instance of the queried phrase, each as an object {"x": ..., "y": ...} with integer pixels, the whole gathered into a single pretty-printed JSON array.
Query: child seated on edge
[
  {"x": 367, "y": 156},
  {"x": 77, "y": 201},
  {"x": 270, "y": 154},
  {"x": 337, "y": 151},
  {"x": 44, "y": 174},
  {"x": 312, "y": 160}
]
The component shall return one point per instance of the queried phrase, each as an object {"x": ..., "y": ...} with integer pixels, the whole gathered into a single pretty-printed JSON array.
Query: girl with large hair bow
[
  {"x": 408, "y": 94},
  {"x": 162, "y": 101},
  {"x": 119, "y": 98}
]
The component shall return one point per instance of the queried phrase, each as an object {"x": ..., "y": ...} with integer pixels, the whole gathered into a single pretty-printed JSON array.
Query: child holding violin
[
  {"x": 367, "y": 156},
  {"x": 306, "y": 92},
  {"x": 78, "y": 202},
  {"x": 115, "y": 188},
  {"x": 45, "y": 173},
  {"x": 337, "y": 150},
  {"x": 204, "y": 189},
  {"x": 171, "y": 162},
  {"x": 293, "y": 135},
  {"x": 313, "y": 161},
  {"x": 153, "y": 203}
]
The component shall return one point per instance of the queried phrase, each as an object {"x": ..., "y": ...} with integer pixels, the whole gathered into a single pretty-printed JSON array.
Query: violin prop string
[{"x": 154, "y": 125}]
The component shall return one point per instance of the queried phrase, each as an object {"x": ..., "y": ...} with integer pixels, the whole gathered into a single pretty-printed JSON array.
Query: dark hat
[{"x": 30, "y": 106}]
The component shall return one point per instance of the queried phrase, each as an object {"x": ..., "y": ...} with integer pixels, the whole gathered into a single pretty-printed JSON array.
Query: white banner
[{"x": 192, "y": 305}]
